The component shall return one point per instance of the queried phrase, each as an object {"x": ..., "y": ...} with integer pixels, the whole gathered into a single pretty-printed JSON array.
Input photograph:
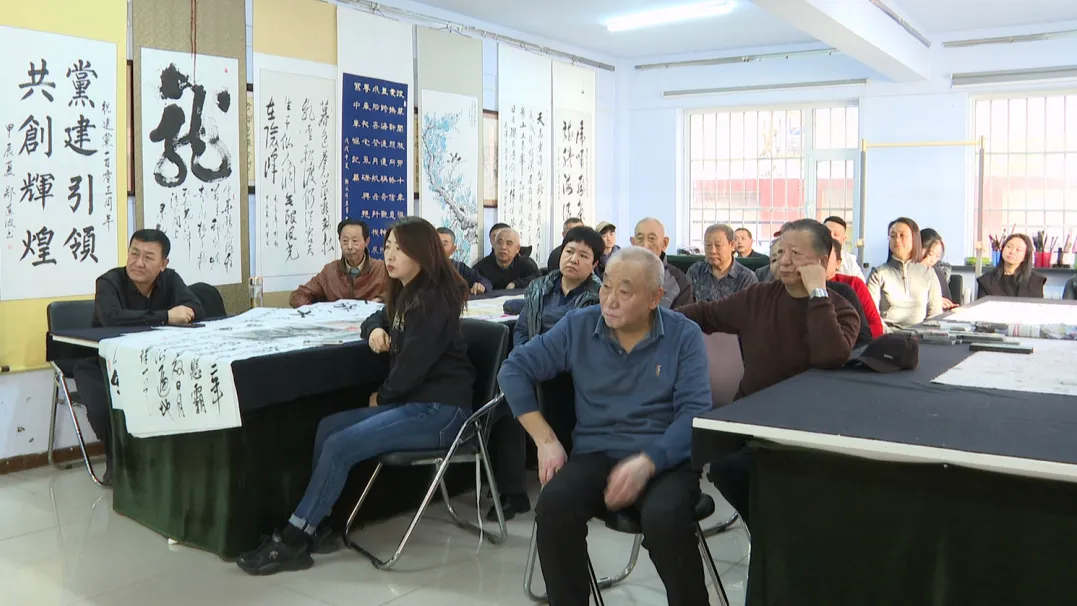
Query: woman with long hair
[
  {"x": 905, "y": 291},
  {"x": 421, "y": 405},
  {"x": 933, "y": 251},
  {"x": 1014, "y": 276}
]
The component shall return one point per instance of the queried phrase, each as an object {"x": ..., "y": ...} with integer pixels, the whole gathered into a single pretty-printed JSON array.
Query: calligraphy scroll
[
  {"x": 191, "y": 110},
  {"x": 58, "y": 187},
  {"x": 524, "y": 173},
  {"x": 449, "y": 152},
  {"x": 489, "y": 159},
  {"x": 297, "y": 215},
  {"x": 374, "y": 154},
  {"x": 573, "y": 193}
]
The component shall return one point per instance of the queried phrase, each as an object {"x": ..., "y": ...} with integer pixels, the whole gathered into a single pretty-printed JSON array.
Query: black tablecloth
[{"x": 830, "y": 529}]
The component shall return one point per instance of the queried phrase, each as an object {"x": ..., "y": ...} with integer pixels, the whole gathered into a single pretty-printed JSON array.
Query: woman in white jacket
[{"x": 905, "y": 291}]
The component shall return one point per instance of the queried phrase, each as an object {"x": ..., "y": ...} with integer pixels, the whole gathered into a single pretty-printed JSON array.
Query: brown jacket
[{"x": 333, "y": 284}]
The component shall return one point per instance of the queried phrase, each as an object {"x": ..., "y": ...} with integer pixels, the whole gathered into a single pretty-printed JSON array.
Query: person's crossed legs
[{"x": 667, "y": 506}]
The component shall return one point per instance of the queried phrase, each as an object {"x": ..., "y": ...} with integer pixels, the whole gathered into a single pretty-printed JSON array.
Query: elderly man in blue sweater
[{"x": 640, "y": 373}]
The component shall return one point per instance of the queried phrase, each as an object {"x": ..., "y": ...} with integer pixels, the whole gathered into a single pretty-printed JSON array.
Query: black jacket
[
  {"x": 520, "y": 272},
  {"x": 996, "y": 284},
  {"x": 849, "y": 295},
  {"x": 428, "y": 360},
  {"x": 118, "y": 302},
  {"x": 554, "y": 262}
]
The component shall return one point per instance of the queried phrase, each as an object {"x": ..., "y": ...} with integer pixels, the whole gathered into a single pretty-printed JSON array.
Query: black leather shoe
[
  {"x": 274, "y": 556},
  {"x": 511, "y": 504}
]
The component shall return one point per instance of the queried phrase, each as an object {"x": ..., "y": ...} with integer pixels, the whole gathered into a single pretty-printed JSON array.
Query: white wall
[{"x": 933, "y": 186}]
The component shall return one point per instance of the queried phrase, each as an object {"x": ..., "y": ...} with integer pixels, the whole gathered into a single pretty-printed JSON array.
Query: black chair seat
[
  {"x": 627, "y": 520},
  {"x": 404, "y": 458}
]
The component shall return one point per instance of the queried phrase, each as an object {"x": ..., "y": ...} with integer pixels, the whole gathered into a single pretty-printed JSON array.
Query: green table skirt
[
  {"x": 835, "y": 530},
  {"x": 222, "y": 490}
]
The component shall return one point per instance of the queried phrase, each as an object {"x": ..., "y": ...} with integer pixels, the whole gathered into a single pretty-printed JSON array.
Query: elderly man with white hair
[
  {"x": 677, "y": 288},
  {"x": 505, "y": 267},
  {"x": 640, "y": 375}
]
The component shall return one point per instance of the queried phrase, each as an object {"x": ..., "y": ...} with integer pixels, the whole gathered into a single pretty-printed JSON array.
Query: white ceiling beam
[{"x": 859, "y": 29}]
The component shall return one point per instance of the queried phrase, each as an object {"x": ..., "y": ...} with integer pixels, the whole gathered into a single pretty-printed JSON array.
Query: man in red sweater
[
  {"x": 786, "y": 327},
  {"x": 871, "y": 312}
]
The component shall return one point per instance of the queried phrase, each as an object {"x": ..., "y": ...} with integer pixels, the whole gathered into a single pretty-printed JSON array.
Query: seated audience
[
  {"x": 144, "y": 293},
  {"x": 838, "y": 231},
  {"x": 934, "y": 249},
  {"x": 354, "y": 276},
  {"x": 719, "y": 275},
  {"x": 742, "y": 241},
  {"x": 905, "y": 291},
  {"x": 548, "y": 299},
  {"x": 475, "y": 282},
  {"x": 816, "y": 325},
  {"x": 632, "y": 441},
  {"x": 1014, "y": 277},
  {"x": 676, "y": 287},
  {"x": 422, "y": 404},
  {"x": 870, "y": 318},
  {"x": 608, "y": 231},
  {"x": 554, "y": 261},
  {"x": 1069, "y": 291},
  {"x": 506, "y": 268},
  {"x": 769, "y": 272},
  {"x": 493, "y": 231}
]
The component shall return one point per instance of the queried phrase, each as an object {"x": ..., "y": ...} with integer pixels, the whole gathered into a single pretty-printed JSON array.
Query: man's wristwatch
[{"x": 818, "y": 293}]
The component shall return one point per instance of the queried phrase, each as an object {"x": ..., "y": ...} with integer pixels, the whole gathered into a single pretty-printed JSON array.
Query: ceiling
[
  {"x": 938, "y": 16},
  {"x": 579, "y": 22}
]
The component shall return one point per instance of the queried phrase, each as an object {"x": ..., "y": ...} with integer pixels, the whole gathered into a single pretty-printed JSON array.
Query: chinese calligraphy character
[
  {"x": 81, "y": 70},
  {"x": 75, "y": 194},
  {"x": 34, "y": 136},
  {"x": 37, "y": 81},
  {"x": 37, "y": 188},
  {"x": 173, "y": 85},
  {"x": 83, "y": 245},
  {"x": 42, "y": 240},
  {"x": 78, "y": 136}
]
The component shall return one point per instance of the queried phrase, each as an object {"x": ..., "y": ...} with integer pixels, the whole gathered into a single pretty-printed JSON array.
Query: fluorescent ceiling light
[{"x": 669, "y": 14}]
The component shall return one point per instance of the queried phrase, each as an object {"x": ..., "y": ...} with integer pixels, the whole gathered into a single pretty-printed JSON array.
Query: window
[
  {"x": 761, "y": 168},
  {"x": 1030, "y": 169}
]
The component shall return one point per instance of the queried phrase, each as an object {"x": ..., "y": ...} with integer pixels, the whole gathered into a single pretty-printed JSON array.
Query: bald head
[
  {"x": 506, "y": 246},
  {"x": 631, "y": 289},
  {"x": 640, "y": 263},
  {"x": 651, "y": 234}
]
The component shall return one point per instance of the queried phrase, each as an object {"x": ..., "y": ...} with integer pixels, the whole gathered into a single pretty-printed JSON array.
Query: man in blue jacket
[
  {"x": 475, "y": 281},
  {"x": 640, "y": 375}
]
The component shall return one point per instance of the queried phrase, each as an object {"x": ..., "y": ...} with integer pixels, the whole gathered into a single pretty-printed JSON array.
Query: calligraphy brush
[{"x": 1069, "y": 242}]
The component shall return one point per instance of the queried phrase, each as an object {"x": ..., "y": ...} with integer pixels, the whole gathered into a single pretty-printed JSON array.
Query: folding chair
[
  {"x": 67, "y": 315},
  {"x": 211, "y": 300},
  {"x": 487, "y": 346},
  {"x": 627, "y": 521}
]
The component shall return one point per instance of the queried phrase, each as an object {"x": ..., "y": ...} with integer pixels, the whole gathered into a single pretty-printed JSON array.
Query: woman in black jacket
[
  {"x": 1014, "y": 276},
  {"x": 422, "y": 404}
]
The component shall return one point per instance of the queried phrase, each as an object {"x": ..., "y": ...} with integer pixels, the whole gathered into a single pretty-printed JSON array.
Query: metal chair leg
[
  {"x": 596, "y": 591},
  {"x": 721, "y": 527},
  {"x": 712, "y": 570},
  {"x": 603, "y": 583},
  {"x": 62, "y": 386},
  {"x": 52, "y": 422}
]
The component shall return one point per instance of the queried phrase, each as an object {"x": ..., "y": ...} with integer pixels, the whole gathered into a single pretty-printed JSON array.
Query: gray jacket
[{"x": 905, "y": 293}]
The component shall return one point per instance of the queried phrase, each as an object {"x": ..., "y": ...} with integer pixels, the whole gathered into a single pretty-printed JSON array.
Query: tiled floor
[{"x": 61, "y": 544}]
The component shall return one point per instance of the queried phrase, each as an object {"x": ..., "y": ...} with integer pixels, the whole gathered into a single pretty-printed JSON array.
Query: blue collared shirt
[{"x": 626, "y": 402}]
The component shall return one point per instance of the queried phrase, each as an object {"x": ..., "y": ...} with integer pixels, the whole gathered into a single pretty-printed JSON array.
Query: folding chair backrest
[
  {"x": 487, "y": 346},
  {"x": 210, "y": 298},
  {"x": 725, "y": 366},
  {"x": 68, "y": 315}
]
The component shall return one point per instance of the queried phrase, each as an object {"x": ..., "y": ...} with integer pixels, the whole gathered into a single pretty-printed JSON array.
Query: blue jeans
[{"x": 353, "y": 436}]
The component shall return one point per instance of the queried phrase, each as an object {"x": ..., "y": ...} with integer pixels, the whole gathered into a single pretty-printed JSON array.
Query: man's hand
[
  {"x": 813, "y": 276},
  {"x": 378, "y": 340},
  {"x": 510, "y": 286},
  {"x": 477, "y": 288},
  {"x": 180, "y": 314},
  {"x": 947, "y": 304},
  {"x": 373, "y": 399},
  {"x": 551, "y": 458},
  {"x": 627, "y": 481}
]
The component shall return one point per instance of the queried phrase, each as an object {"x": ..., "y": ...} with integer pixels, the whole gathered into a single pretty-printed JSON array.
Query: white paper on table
[
  {"x": 1016, "y": 312},
  {"x": 1048, "y": 369}
]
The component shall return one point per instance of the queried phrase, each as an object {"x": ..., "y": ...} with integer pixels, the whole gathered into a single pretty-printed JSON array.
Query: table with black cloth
[
  {"x": 887, "y": 489},
  {"x": 222, "y": 490}
]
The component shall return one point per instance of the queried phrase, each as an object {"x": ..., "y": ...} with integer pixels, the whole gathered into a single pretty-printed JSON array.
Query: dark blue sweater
[{"x": 626, "y": 403}]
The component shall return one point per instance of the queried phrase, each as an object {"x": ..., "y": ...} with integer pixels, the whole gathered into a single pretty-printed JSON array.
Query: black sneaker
[
  {"x": 511, "y": 504},
  {"x": 274, "y": 556},
  {"x": 327, "y": 541}
]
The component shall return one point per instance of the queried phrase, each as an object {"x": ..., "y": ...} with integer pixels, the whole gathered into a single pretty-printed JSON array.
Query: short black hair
[
  {"x": 822, "y": 242},
  {"x": 153, "y": 235},
  {"x": 347, "y": 222},
  {"x": 836, "y": 247},
  {"x": 447, "y": 232},
  {"x": 588, "y": 237},
  {"x": 745, "y": 230},
  {"x": 836, "y": 219},
  {"x": 571, "y": 221},
  {"x": 498, "y": 226}
]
